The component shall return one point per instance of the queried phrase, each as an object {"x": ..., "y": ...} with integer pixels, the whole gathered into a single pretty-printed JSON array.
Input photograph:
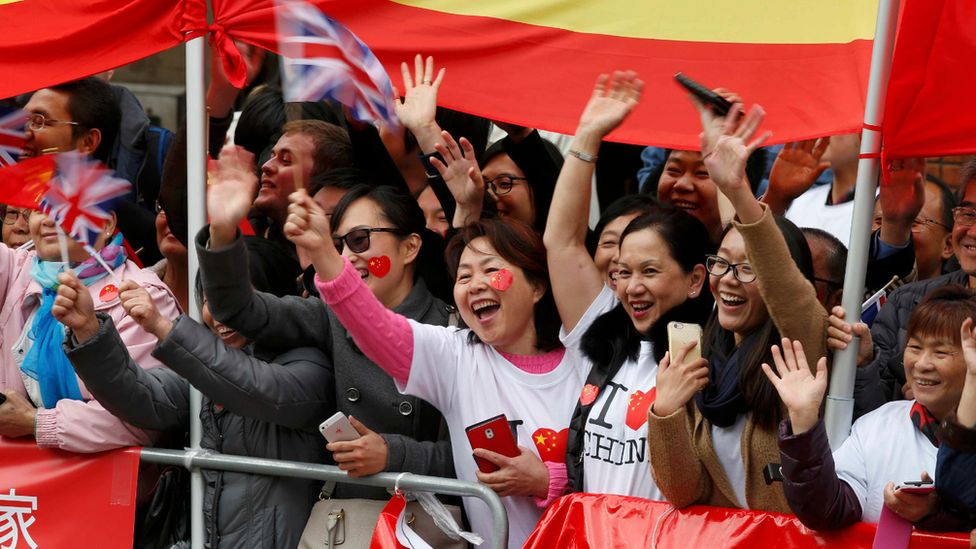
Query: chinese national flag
[
  {"x": 534, "y": 62},
  {"x": 929, "y": 107},
  {"x": 24, "y": 183}
]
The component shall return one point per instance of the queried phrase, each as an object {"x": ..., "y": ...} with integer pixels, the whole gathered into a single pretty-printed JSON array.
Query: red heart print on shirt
[
  {"x": 550, "y": 444},
  {"x": 501, "y": 280},
  {"x": 589, "y": 394},
  {"x": 637, "y": 407},
  {"x": 109, "y": 293},
  {"x": 379, "y": 266}
]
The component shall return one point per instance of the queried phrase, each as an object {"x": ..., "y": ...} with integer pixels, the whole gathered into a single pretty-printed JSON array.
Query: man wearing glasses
[
  {"x": 15, "y": 229},
  {"x": 78, "y": 116},
  {"x": 881, "y": 374}
]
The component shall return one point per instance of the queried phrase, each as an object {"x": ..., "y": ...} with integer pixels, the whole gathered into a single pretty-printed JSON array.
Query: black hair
[
  {"x": 92, "y": 104},
  {"x": 835, "y": 260},
  {"x": 404, "y": 213},
  {"x": 625, "y": 205},
  {"x": 542, "y": 181},
  {"x": 755, "y": 169},
  {"x": 475, "y": 129},
  {"x": 947, "y": 200},
  {"x": 758, "y": 392},
  {"x": 344, "y": 178},
  {"x": 261, "y": 120}
]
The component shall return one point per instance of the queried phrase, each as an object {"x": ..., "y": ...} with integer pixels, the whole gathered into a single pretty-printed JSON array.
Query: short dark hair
[
  {"x": 331, "y": 145},
  {"x": 947, "y": 200},
  {"x": 521, "y": 246},
  {"x": 625, "y": 205},
  {"x": 92, "y": 104},
  {"x": 836, "y": 256},
  {"x": 942, "y": 311}
]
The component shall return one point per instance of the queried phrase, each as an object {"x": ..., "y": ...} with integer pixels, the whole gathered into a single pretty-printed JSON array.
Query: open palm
[
  {"x": 797, "y": 166},
  {"x": 231, "y": 188},
  {"x": 612, "y": 100},
  {"x": 799, "y": 389}
]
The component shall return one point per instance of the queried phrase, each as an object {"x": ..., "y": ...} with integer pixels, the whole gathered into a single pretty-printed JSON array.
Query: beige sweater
[{"x": 684, "y": 462}]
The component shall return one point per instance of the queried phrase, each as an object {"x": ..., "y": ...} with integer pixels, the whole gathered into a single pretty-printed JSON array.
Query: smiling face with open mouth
[
  {"x": 230, "y": 337},
  {"x": 686, "y": 184},
  {"x": 741, "y": 309},
  {"x": 964, "y": 238},
  {"x": 936, "y": 372},
  {"x": 502, "y": 318}
]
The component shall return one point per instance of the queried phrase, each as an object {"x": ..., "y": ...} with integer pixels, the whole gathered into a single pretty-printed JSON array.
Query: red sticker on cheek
[
  {"x": 501, "y": 280},
  {"x": 109, "y": 293},
  {"x": 379, "y": 266}
]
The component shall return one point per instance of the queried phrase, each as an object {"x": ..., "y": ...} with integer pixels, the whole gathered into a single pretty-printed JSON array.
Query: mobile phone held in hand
[
  {"x": 916, "y": 487},
  {"x": 680, "y": 334},
  {"x": 716, "y": 102},
  {"x": 338, "y": 428},
  {"x": 492, "y": 434}
]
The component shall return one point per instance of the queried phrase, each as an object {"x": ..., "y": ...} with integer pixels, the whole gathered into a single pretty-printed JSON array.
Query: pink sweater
[{"x": 386, "y": 338}]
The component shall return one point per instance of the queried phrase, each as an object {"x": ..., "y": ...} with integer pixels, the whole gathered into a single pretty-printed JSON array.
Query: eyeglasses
[
  {"x": 357, "y": 240},
  {"x": 964, "y": 216},
  {"x": 718, "y": 266},
  {"x": 828, "y": 282},
  {"x": 37, "y": 122},
  {"x": 920, "y": 224},
  {"x": 502, "y": 184},
  {"x": 10, "y": 216}
]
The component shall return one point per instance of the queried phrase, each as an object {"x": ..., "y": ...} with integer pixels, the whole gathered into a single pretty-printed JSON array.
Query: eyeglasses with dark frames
[
  {"x": 37, "y": 121},
  {"x": 502, "y": 184},
  {"x": 718, "y": 266},
  {"x": 357, "y": 240}
]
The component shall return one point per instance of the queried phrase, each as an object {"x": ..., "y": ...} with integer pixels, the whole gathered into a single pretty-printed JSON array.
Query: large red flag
[
  {"x": 929, "y": 108},
  {"x": 534, "y": 63},
  {"x": 45, "y": 42}
]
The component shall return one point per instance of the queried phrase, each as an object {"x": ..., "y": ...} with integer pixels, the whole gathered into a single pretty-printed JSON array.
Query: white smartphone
[
  {"x": 916, "y": 487},
  {"x": 679, "y": 335},
  {"x": 338, "y": 428}
]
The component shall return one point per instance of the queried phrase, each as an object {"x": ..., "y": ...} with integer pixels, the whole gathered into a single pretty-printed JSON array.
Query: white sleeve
[
  {"x": 603, "y": 303},
  {"x": 437, "y": 352},
  {"x": 849, "y": 463}
]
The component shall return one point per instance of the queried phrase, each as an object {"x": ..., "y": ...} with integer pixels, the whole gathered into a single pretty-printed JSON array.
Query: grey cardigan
[
  {"x": 251, "y": 408},
  {"x": 413, "y": 429}
]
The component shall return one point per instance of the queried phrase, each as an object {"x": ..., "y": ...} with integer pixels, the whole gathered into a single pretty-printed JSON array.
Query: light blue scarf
[{"x": 46, "y": 361}]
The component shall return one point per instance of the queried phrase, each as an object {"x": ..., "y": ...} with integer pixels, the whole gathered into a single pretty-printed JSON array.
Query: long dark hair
[
  {"x": 522, "y": 247},
  {"x": 403, "y": 213},
  {"x": 759, "y": 394}
]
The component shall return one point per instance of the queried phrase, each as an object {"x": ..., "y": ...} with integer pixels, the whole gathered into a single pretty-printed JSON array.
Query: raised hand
[
  {"x": 726, "y": 159},
  {"x": 230, "y": 192},
  {"x": 614, "y": 97},
  {"x": 901, "y": 196},
  {"x": 796, "y": 168},
  {"x": 139, "y": 305},
  {"x": 799, "y": 389},
  {"x": 364, "y": 456},
  {"x": 308, "y": 227},
  {"x": 713, "y": 123},
  {"x": 968, "y": 335},
  {"x": 418, "y": 106},
  {"x": 463, "y": 177},
  {"x": 74, "y": 308},
  {"x": 678, "y": 381},
  {"x": 523, "y": 475},
  {"x": 840, "y": 333}
]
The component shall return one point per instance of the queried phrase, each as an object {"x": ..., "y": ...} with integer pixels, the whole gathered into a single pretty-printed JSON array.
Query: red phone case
[{"x": 492, "y": 434}]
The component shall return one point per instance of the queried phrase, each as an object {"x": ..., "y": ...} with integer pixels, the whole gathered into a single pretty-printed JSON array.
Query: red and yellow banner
[
  {"x": 533, "y": 62},
  {"x": 50, "y": 498},
  {"x": 583, "y": 521}
]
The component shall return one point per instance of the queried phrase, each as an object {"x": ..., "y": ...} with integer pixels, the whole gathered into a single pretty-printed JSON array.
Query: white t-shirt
[
  {"x": 884, "y": 446},
  {"x": 727, "y": 442},
  {"x": 472, "y": 383},
  {"x": 615, "y": 457},
  {"x": 810, "y": 209}
]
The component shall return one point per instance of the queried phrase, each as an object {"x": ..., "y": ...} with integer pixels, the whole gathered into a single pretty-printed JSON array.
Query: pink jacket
[{"x": 74, "y": 425}]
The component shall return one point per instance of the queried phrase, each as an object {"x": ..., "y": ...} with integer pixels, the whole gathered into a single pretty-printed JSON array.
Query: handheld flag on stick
[
  {"x": 13, "y": 134},
  {"x": 80, "y": 200},
  {"x": 321, "y": 59}
]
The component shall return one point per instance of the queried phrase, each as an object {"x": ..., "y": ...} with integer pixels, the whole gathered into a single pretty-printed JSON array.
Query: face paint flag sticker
[
  {"x": 379, "y": 266},
  {"x": 501, "y": 280}
]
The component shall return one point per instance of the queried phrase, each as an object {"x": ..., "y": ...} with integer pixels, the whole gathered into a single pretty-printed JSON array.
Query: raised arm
[
  {"x": 795, "y": 170},
  {"x": 575, "y": 279},
  {"x": 460, "y": 172}
]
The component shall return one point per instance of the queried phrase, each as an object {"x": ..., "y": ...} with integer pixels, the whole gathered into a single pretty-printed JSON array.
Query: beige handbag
[{"x": 349, "y": 523}]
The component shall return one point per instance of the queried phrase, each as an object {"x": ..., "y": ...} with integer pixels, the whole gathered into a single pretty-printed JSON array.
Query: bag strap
[{"x": 327, "y": 490}]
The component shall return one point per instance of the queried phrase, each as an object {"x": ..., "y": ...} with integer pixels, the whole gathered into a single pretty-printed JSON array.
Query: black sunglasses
[{"x": 357, "y": 240}]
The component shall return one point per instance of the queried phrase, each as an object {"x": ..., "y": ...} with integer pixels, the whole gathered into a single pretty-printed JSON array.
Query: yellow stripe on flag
[
  {"x": 731, "y": 21},
  {"x": 2, "y": 2}
]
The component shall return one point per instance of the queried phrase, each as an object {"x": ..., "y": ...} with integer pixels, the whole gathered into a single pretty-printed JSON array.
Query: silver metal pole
[
  {"x": 196, "y": 166},
  {"x": 840, "y": 396},
  {"x": 261, "y": 466}
]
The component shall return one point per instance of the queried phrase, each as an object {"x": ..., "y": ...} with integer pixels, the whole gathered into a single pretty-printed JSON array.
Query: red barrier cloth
[
  {"x": 61, "y": 499},
  {"x": 541, "y": 76},
  {"x": 580, "y": 521},
  {"x": 929, "y": 109},
  {"x": 46, "y": 42}
]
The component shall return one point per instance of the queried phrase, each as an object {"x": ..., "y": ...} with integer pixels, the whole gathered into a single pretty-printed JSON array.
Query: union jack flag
[
  {"x": 321, "y": 59},
  {"x": 13, "y": 134},
  {"x": 81, "y": 196}
]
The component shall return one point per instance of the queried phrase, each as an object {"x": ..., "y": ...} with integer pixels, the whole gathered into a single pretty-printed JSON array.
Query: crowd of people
[{"x": 421, "y": 280}]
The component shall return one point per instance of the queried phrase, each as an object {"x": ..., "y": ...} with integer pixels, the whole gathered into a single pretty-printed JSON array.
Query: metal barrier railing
[{"x": 260, "y": 466}]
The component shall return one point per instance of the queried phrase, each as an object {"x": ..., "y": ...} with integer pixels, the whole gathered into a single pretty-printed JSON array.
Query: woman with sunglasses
[
  {"x": 713, "y": 427},
  {"x": 509, "y": 362},
  {"x": 381, "y": 230},
  {"x": 659, "y": 274}
]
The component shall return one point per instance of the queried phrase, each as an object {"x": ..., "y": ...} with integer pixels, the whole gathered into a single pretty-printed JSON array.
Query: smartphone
[
  {"x": 492, "y": 434},
  {"x": 679, "y": 335},
  {"x": 916, "y": 487},
  {"x": 338, "y": 428},
  {"x": 716, "y": 102}
]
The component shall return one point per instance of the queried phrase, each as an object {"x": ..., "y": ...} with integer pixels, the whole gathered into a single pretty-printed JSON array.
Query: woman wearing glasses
[
  {"x": 381, "y": 231},
  {"x": 713, "y": 428},
  {"x": 16, "y": 231}
]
